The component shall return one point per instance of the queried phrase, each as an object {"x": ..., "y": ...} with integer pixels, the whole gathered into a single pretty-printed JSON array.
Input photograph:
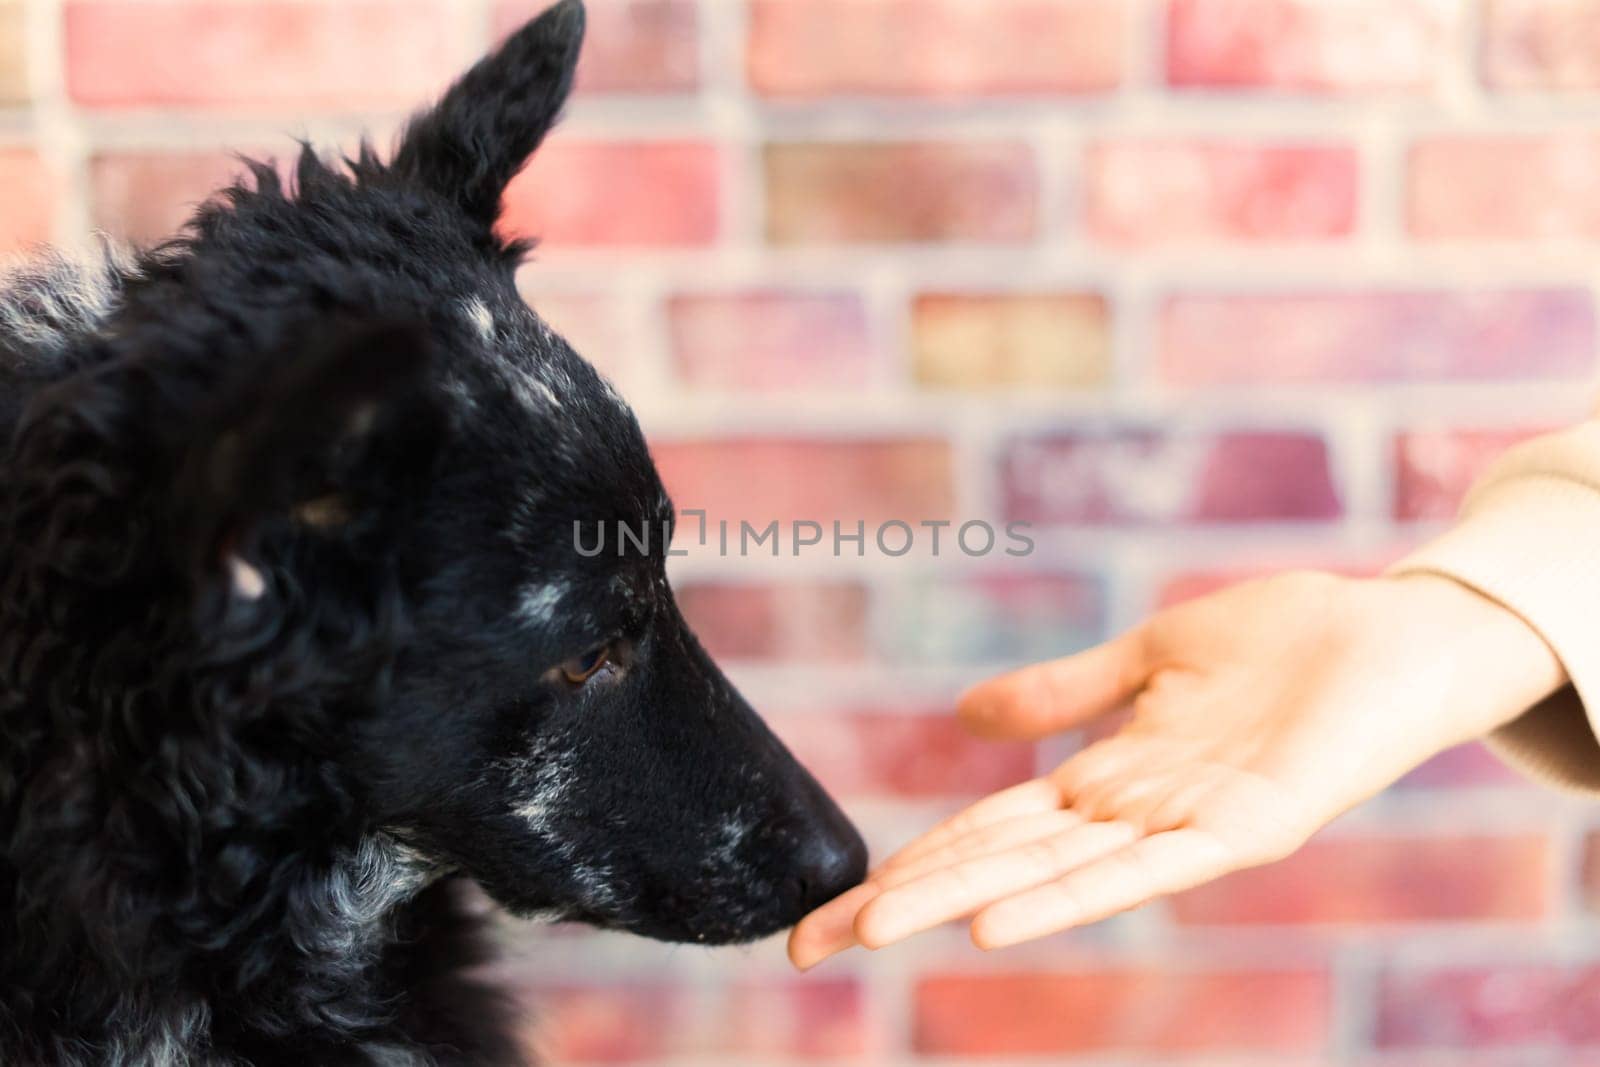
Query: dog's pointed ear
[
  {"x": 471, "y": 144},
  {"x": 327, "y": 439}
]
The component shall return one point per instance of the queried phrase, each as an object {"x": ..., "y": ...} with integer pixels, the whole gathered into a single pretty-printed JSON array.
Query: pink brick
[
  {"x": 631, "y": 46},
  {"x": 981, "y": 191},
  {"x": 27, "y": 210},
  {"x": 1546, "y": 1006},
  {"x": 1541, "y": 44},
  {"x": 1388, "y": 879},
  {"x": 771, "y": 339},
  {"x": 1308, "y": 45},
  {"x": 1367, "y": 336},
  {"x": 998, "y": 616},
  {"x": 1158, "y": 192},
  {"x": 1505, "y": 187},
  {"x": 1187, "y": 586},
  {"x": 1122, "y": 1012},
  {"x": 146, "y": 196},
  {"x": 1465, "y": 766},
  {"x": 351, "y": 55},
  {"x": 591, "y": 322},
  {"x": 788, "y": 622},
  {"x": 916, "y": 754},
  {"x": 630, "y": 1022},
  {"x": 617, "y": 193},
  {"x": 1435, "y": 468},
  {"x": 811, "y": 1019},
  {"x": 804, "y": 48},
  {"x": 1143, "y": 476},
  {"x": 786, "y": 479}
]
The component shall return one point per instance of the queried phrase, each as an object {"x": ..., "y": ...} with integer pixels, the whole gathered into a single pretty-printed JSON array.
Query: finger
[
  {"x": 1125, "y": 798},
  {"x": 830, "y": 929},
  {"x": 1150, "y": 867},
  {"x": 996, "y": 837},
  {"x": 1032, "y": 797},
  {"x": 1047, "y": 698},
  {"x": 952, "y": 892}
]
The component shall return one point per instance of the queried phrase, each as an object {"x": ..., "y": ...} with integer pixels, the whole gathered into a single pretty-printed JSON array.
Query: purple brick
[
  {"x": 1480, "y": 1008},
  {"x": 1141, "y": 476},
  {"x": 1243, "y": 339}
]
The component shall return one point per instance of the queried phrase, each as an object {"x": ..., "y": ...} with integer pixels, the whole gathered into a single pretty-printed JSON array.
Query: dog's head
[{"x": 403, "y": 462}]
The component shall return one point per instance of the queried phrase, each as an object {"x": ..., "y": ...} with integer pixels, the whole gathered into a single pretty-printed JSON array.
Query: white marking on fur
[
  {"x": 533, "y": 392},
  {"x": 48, "y": 300},
  {"x": 478, "y": 314},
  {"x": 539, "y": 603},
  {"x": 248, "y": 582},
  {"x": 542, "y": 779},
  {"x": 730, "y": 835},
  {"x": 361, "y": 894}
]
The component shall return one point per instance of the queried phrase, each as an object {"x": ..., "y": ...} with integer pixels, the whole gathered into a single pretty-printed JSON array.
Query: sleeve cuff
[{"x": 1532, "y": 544}]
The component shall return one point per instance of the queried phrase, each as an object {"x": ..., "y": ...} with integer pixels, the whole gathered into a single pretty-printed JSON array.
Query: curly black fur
[{"x": 286, "y": 575}]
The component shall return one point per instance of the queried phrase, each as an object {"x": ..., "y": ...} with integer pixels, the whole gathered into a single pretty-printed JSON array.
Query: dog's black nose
[{"x": 830, "y": 862}]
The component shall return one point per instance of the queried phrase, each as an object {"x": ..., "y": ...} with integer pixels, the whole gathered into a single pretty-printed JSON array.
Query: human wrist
[{"x": 1498, "y": 664}]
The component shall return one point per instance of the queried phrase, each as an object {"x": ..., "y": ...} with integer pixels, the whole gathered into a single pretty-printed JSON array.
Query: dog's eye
[{"x": 580, "y": 669}]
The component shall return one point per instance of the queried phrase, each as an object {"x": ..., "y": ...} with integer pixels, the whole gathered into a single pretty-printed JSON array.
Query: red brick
[
  {"x": 1541, "y": 44},
  {"x": 987, "y": 340},
  {"x": 1389, "y": 879},
  {"x": 771, "y": 339},
  {"x": 764, "y": 479},
  {"x": 630, "y": 46},
  {"x": 1490, "y": 1007},
  {"x": 1122, "y": 1012},
  {"x": 351, "y": 55},
  {"x": 1371, "y": 336},
  {"x": 624, "y": 1022},
  {"x": 147, "y": 196},
  {"x": 1157, "y": 192},
  {"x": 27, "y": 210},
  {"x": 807, "y": 48},
  {"x": 918, "y": 754},
  {"x": 616, "y": 1023},
  {"x": 617, "y": 193},
  {"x": 1505, "y": 188},
  {"x": 1435, "y": 468},
  {"x": 952, "y": 191},
  {"x": 1307, "y": 45},
  {"x": 1143, "y": 476},
  {"x": 792, "y": 621}
]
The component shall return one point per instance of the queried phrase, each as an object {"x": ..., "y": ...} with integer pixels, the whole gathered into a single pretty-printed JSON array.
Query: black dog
[{"x": 294, "y": 630}]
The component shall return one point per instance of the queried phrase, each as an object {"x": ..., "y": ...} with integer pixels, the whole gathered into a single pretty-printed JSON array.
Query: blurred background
[{"x": 1201, "y": 288}]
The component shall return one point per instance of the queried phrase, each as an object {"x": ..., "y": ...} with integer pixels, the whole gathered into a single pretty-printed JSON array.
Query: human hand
[{"x": 1260, "y": 713}]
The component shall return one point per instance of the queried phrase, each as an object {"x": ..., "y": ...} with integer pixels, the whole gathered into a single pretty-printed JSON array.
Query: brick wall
[{"x": 1199, "y": 287}]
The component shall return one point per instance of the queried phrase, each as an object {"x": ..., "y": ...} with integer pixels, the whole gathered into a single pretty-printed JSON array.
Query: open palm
[{"x": 1258, "y": 715}]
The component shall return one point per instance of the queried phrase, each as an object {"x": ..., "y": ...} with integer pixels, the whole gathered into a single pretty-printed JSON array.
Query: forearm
[{"x": 1529, "y": 541}]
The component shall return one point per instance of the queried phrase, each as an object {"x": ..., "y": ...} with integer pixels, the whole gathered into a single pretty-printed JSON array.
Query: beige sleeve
[{"x": 1529, "y": 538}]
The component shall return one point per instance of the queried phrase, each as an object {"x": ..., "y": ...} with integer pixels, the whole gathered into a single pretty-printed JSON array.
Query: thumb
[{"x": 1057, "y": 695}]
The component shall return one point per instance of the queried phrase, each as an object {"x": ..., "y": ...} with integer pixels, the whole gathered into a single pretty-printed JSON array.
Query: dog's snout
[{"x": 829, "y": 861}]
